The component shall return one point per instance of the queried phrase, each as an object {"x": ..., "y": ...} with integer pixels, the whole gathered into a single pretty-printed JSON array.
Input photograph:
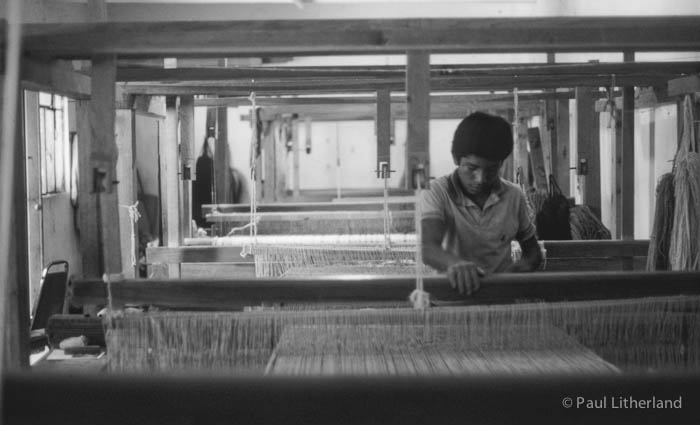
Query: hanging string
[
  {"x": 253, "y": 224},
  {"x": 419, "y": 298},
  {"x": 134, "y": 218}
]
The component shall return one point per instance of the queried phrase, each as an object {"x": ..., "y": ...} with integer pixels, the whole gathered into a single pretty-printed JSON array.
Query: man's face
[{"x": 478, "y": 175}]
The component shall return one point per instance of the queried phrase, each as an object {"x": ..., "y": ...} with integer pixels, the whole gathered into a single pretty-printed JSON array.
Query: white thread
[
  {"x": 253, "y": 225},
  {"x": 134, "y": 217},
  {"x": 419, "y": 297},
  {"x": 107, "y": 279},
  {"x": 255, "y": 219}
]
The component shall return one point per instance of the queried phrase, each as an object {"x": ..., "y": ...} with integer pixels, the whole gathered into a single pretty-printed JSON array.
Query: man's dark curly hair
[{"x": 483, "y": 135}]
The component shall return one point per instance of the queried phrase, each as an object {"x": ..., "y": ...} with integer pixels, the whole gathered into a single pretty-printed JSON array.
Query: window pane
[
  {"x": 50, "y": 146},
  {"x": 45, "y": 99},
  {"x": 59, "y": 149},
  {"x": 42, "y": 147}
]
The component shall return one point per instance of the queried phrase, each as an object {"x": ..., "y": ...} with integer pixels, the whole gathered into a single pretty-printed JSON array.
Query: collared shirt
[{"x": 475, "y": 234}]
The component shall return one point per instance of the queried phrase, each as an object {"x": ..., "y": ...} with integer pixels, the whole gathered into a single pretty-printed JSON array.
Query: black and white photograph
[{"x": 349, "y": 212}]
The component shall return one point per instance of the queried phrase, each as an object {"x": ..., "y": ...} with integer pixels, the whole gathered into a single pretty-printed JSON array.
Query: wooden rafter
[{"x": 298, "y": 37}]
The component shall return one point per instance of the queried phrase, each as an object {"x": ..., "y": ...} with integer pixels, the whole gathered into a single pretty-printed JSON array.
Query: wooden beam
[
  {"x": 368, "y": 112},
  {"x": 195, "y": 254},
  {"x": 235, "y": 294},
  {"x": 627, "y": 157},
  {"x": 296, "y": 37},
  {"x": 296, "y": 181},
  {"x": 187, "y": 162},
  {"x": 684, "y": 85},
  {"x": 103, "y": 158},
  {"x": 578, "y": 70},
  {"x": 125, "y": 130},
  {"x": 370, "y": 99},
  {"x": 87, "y": 199},
  {"x": 55, "y": 77},
  {"x": 268, "y": 164},
  {"x": 561, "y": 154},
  {"x": 341, "y": 85},
  {"x": 417, "y": 115},
  {"x": 587, "y": 137},
  {"x": 616, "y": 228},
  {"x": 15, "y": 263},
  {"x": 34, "y": 199},
  {"x": 170, "y": 183},
  {"x": 221, "y": 158},
  {"x": 382, "y": 125}
]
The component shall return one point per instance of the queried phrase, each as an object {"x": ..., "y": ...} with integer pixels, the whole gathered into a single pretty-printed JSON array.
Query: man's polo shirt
[{"x": 480, "y": 236}]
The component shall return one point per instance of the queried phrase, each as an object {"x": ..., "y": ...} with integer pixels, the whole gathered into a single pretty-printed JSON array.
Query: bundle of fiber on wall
[
  {"x": 585, "y": 225},
  {"x": 684, "y": 249},
  {"x": 660, "y": 238},
  {"x": 552, "y": 219}
]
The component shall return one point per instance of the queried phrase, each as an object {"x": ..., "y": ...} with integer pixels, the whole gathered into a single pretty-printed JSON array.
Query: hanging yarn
[
  {"x": 684, "y": 252},
  {"x": 134, "y": 218},
  {"x": 585, "y": 225},
  {"x": 552, "y": 221},
  {"x": 660, "y": 238}
]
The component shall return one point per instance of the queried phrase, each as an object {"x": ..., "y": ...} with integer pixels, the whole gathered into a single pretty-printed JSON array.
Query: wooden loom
[{"x": 545, "y": 323}]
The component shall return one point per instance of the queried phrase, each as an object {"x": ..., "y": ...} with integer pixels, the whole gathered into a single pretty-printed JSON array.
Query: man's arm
[
  {"x": 531, "y": 259},
  {"x": 463, "y": 275}
]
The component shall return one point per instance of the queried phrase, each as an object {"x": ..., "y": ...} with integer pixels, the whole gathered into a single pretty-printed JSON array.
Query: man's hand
[{"x": 465, "y": 276}]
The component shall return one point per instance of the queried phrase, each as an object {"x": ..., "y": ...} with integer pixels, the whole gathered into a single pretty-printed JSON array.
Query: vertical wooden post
[
  {"x": 127, "y": 190},
  {"x": 187, "y": 168},
  {"x": 104, "y": 158},
  {"x": 281, "y": 165},
  {"x": 221, "y": 158},
  {"x": 383, "y": 130},
  {"x": 33, "y": 170},
  {"x": 267, "y": 169},
  {"x": 87, "y": 199},
  {"x": 100, "y": 175},
  {"x": 14, "y": 267},
  {"x": 295, "y": 159},
  {"x": 521, "y": 162},
  {"x": 508, "y": 169},
  {"x": 417, "y": 113},
  {"x": 627, "y": 156},
  {"x": 549, "y": 135},
  {"x": 170, "y": 199},
  {"x": 548, "y": 129},
  {"x": 588, "y": 138},
  {"x": 560, "y": 153},
  {"x": 616, "y": 230}
]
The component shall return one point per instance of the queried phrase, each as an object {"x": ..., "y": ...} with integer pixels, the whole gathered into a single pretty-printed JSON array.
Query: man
[{"x": 471, "y": 216}]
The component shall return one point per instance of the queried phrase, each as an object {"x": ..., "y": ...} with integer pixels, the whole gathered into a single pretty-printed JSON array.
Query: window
[{"x": 55, "y": 146}]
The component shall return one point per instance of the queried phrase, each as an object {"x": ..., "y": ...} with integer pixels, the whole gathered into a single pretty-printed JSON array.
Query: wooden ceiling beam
[
  {"x": 55, "y": 77},
  {"x": 398, "y": 111},
  {"x": 661, "y": 69},
  {"x": 299, "y": 37},
  {"x": 335, "y": 85},
  {"x": 370, "y": 100}
]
